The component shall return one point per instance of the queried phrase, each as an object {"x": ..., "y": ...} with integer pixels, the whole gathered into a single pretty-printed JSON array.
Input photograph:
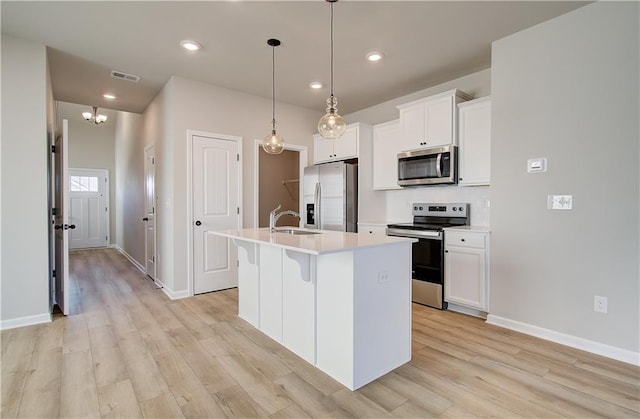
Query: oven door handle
[{"x": 413, "y": 234}]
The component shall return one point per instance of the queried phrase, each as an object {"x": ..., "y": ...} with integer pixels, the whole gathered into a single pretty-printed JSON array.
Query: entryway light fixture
[
  {"x": 273, "y": 143},
  {"x": 94, "y": 117},
  {"x": 331, "y": 125}
]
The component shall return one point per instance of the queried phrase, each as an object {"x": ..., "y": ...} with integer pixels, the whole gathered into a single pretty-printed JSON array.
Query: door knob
[
  {"x": 145, "y": 219},
  {"x": 72, "y": 226},
  {"x": 198, "y": 223}
]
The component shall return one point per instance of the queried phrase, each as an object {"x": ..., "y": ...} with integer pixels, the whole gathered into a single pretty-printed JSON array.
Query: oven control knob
[
  {"x": 460, "y": 209},
  {"x": 420, "y": 208},
  {"x": 415, "y": 208},
  {"x": 455, "y": 208}
]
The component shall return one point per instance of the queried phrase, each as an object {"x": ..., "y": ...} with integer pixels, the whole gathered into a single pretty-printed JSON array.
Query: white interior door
[
  {"x": 216, "y": 206},
  {"x": 61, "y": 226},
  {"x": 88, "y": 208},
  {"x": 150, "y": 211}
]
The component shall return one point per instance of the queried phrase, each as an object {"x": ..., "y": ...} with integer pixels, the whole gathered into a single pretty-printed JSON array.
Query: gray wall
[
  {"x": 567, "y": 90},
  {"x": 129, "y": 185},
  {"x": 23, "y": 175},
  {"x": 186, "y": 104},
  {"x": 92, "y": 146}
]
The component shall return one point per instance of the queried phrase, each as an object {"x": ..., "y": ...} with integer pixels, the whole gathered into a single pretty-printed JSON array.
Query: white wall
[
  {"x": 383, "y": 207},
  {"x": 129, "y": 185},
  {"x": 25, "y": 223},
  {"x": 92, "y": 146},
  {"x": 567, "y": 90},
  {"x": 186, "y": 104}
]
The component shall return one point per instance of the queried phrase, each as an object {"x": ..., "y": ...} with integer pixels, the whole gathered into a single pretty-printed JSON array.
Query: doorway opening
[{"x": 277, "y": 182}]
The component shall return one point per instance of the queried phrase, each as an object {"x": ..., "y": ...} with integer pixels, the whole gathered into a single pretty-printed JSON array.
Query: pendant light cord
[
  {"x": 331, "y": 4},
  {"x": 273, "y": 87}
]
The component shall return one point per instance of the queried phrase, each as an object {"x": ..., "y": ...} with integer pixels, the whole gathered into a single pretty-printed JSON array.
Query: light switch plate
[{"x": 559, "y": 202}]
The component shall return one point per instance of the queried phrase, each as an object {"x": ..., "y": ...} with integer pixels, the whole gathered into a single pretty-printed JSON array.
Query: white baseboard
[
  {"x": 175, "y": 295},
  {"x": 465, "y": 310},
  {"x": 25, "y": 321},
  {"x": 597, "y": 348},
  {"x": 131, "y": 259}
]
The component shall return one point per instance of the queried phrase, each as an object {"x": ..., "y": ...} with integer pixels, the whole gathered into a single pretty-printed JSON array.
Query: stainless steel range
[{"x": 427, "y": 260}]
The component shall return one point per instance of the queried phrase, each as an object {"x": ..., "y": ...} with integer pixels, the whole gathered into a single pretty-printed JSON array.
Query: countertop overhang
[{"x": 316, "y": 244}]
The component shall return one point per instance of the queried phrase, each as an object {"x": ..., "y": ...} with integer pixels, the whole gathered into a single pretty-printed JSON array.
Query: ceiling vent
[{"x": 124, "y": 76}]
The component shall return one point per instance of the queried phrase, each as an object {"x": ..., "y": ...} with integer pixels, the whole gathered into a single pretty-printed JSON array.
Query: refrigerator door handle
[{"x": 316, "y": 205}]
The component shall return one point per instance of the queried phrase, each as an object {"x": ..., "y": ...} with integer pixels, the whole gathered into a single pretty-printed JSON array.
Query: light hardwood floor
[{"x": 126, "y": 350}]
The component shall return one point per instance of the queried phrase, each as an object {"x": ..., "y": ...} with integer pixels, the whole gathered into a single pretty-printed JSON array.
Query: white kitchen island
[{"x": 341, "y": 301}]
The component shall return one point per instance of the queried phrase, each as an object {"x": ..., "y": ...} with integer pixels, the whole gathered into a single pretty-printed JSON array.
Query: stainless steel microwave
[{"x": 429, "y": 166}]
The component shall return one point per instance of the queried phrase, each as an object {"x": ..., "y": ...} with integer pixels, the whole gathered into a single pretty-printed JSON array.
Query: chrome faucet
[{"x": 273, "y": 217}]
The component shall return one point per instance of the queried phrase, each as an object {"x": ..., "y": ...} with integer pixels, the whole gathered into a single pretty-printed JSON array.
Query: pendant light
[
  {"x": 273, "y": 142},
  {"x": 331, "y": 125},
  {"x": 94, "y": 117}
]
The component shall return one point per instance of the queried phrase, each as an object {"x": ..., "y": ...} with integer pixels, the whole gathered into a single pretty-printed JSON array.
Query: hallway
[{"x": 127, "y": 350}]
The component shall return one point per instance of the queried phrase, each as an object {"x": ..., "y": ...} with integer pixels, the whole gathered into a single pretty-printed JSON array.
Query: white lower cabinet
[
  {"x": 299, "y": 304},
  {"x": 369, "y": 228},
  {"x": 287, "y": 299},
  {"x": 466, "y": 280}
]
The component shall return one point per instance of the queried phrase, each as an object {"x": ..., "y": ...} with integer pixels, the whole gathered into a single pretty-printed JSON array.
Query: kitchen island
[{"x": 341, "y": 301}]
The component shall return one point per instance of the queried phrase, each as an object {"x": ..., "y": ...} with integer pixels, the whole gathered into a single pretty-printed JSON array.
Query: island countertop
[{"x": 316, "y": 244}]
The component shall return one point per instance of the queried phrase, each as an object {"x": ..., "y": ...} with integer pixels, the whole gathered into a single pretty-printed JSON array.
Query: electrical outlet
[
  {"x": 560, "y": 202},
  {"x": 600, "y": 304}
]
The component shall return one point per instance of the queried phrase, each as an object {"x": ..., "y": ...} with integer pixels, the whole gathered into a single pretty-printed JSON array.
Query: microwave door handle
[{"x": 439, "y": 165}]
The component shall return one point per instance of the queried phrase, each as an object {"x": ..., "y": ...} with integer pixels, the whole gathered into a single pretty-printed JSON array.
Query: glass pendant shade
[
  {"x": 332, "y": 125},
  {"x": 273, "y": 143}
]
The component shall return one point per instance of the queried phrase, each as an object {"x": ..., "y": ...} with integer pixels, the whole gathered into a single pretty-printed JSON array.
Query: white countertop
[
  {"x": 476, "y": 229},
  {"x": 315, "y": 244}
]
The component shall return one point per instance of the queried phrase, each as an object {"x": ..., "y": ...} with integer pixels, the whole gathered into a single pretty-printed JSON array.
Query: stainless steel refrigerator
[{"x": 330, "y": 193}]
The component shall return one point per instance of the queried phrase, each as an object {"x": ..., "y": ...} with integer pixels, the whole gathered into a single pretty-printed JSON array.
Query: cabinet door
[
  {"x": 385, "y": 151},
  {"x": 412, "y": 126},
  {"x": 322, "y": 149},
  {"x": 270, "y": 267},
  {"x": 438, "y": 121},
  {"x": 474, "y": 135},
  {"x": 465, "y": 283},
  {"x": 299, "y": 304},
  {"x": 346, "y": 147}
]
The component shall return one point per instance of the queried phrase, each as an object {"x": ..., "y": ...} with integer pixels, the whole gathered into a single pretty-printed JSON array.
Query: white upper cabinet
[
  {"x": 474, "y": 135},
  {"x": 431, "y": 121},
  {"x": 385, "y": 151},
  {"x": 343, "y": 148}
]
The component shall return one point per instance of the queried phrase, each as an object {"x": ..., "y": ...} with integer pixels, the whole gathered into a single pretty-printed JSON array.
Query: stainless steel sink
[{"x": 296, "y": 232}]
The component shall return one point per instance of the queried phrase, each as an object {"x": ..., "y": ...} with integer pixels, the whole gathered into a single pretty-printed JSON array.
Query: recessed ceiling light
[
  {"x": 375, "y": 56},
  {"x": 190, "y": 45},
  {"x": 109, "y": 96},
  {"x": 316, "y": 85}
]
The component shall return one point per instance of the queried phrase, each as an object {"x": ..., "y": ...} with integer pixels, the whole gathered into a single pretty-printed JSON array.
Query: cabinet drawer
[{"x": 464, "y": 238}]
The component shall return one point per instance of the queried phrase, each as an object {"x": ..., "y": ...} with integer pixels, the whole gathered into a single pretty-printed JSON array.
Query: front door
[
  {"x": 61, "y": 220},
  {"x": 88, "y": 208},
  {"x": 216, "y": 206},
  {"x": 150, "y": 211}
]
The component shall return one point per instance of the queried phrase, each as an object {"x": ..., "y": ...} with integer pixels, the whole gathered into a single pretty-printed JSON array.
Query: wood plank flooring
[{"x": 126, "y": 350}]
